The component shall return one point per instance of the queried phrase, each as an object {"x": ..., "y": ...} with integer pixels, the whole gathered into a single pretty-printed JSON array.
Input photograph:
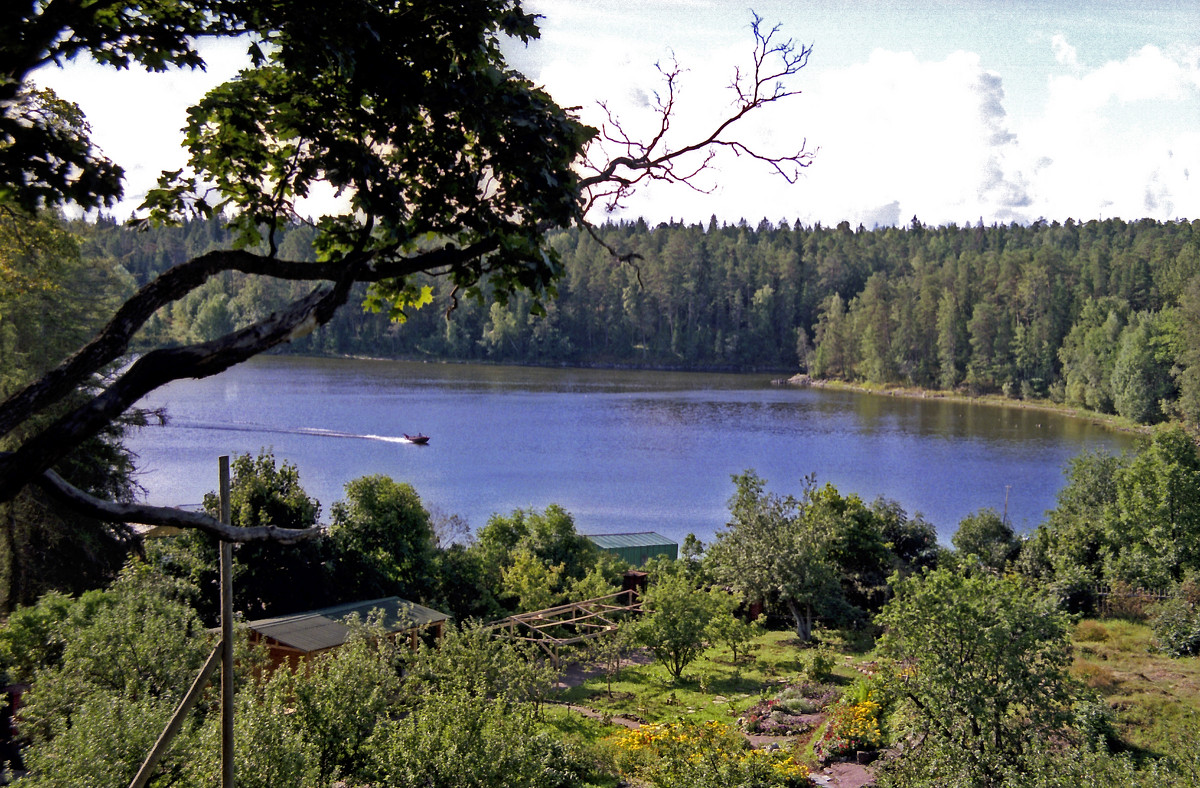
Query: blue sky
[{"x": 949, "y": 111}]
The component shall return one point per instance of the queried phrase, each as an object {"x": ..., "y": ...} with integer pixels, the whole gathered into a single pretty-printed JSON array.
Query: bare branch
[
  {"x": 614, "y": 179},
  {"x": 100, "y": 509}
]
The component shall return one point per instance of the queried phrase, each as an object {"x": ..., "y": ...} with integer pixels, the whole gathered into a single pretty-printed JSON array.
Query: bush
[
  {"x": 1091, "y": 632},
  {"x": 817, "y": 664},
  {"x": 1176, "y": 628},
  {"x": 459, "y": 741}
]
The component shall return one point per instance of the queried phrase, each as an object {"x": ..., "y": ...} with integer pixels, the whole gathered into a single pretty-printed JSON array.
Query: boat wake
[{"x": 316, "y": 432}]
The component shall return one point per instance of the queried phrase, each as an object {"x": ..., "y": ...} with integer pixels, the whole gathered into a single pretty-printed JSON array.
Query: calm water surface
[{"x": 620, "y": 450}]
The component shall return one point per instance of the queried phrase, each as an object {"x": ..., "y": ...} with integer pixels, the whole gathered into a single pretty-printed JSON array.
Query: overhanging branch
[
  {"x": 78, "y": 500},
  {"x": 159, "y": 367},
  {"x": 113, "y": 341}
]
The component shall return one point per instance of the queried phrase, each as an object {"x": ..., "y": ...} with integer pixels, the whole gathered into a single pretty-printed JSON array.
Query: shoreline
[{"x": 1112, "y": 422}]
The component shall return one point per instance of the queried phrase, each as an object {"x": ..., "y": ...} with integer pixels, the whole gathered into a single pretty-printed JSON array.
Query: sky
[{"x": 950, "y": 112}]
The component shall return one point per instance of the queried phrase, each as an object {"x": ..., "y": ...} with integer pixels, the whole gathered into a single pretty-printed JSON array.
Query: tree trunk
[{"x": 802, "y": 616}]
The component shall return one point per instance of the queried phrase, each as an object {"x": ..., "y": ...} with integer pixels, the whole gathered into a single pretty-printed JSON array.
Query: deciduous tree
[
  {"x": 771, "y": 550},
  {"x": 986, "y": 535},
  {"x": 982, "y": 667},
  {"x": 675, "y": 621}
]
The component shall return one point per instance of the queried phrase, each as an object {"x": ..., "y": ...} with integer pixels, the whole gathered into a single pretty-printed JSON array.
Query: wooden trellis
[{"x": 570, "y": 624}]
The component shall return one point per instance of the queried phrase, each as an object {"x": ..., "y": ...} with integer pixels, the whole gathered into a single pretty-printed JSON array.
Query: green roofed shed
[{"x": 636, "y": 548}]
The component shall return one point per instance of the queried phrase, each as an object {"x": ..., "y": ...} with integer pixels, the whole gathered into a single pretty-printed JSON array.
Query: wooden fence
[{"x": 569, "y": 624}]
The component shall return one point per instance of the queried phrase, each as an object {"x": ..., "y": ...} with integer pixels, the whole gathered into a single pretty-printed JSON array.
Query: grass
[
  {"x": 1153, "y": 697},
  {"x": 1155, "y": 700},
  {"x": 712, "y": 688}
]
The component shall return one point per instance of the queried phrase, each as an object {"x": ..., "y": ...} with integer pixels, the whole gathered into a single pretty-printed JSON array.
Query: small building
[
  {"x": 636, "y": 548},
  {"x": 288, "y": 638}
]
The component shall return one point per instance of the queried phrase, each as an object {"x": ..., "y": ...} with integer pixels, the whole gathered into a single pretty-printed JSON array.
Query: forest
[{"x": 1102, "y": 315}]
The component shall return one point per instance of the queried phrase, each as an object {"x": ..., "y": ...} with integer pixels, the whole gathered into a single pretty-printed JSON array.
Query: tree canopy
[{"x": 982, "y": 667}]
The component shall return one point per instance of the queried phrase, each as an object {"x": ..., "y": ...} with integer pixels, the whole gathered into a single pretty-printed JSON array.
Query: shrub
[
  {"x": 1091, "y": 632},
  {"x": 1176, "y": 628},
  {"x": 817, "y": 664}
]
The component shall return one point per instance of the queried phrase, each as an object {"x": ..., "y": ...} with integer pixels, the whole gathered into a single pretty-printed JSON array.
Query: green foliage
[
  {"x": 772, "y": 551},
  {"x": 609, "y": 649},
  {"x": 981, "y": 670},
  {"x": 1187, "y": 370},
  {"x": 1056, "y": 318},
  {"x": 453, "y": 740},
  {"x": 598, "y": 581},
  {"x": 818, "y": 664},
  {"x": 269, "y": 579},
  {"x": 127, "y": 656},
  {"x": 530, "y": 582},
  {"x": 1132, "y": 520},
  {"x": 731, "y": 630},
  {"x": 1141, "y": 375},
  {"x": 469, "y": 661},
  {"x": 988, "y": 537},
  {"x": 1157, "y": 527},
  {"x": 1176, "y": 625},
  {"x": 460, "y": 586},
  {"x": 43, "y": 546},
  {"x": 264, "y": 493},
  {"x": 381, "y": 540},
  {"x": 545, "y": 543},
  {"x": 912, "y": 541},
  {"x": 822, "y": 554}
]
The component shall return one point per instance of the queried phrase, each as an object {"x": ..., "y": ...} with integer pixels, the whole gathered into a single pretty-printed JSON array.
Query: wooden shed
[
  {"x": 636, "y": 548},
  {"x": 288, "y": 638}
]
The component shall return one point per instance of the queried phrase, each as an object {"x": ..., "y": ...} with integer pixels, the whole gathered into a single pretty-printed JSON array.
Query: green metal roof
[
  {"x": 317, "y": 630},
  {"x": 637, "y": 539}
]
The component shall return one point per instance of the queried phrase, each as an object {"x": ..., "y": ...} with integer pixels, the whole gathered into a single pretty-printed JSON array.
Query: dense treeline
[{"x": 1103, "y": 314}]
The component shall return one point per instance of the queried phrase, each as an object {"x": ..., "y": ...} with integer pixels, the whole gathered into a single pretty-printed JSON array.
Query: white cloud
[
  {"x": 898, "y": 135},
  {"x": 1064, "y": 53},
  {"x": 1148, "y": 75},
  {"x": 1118, "y": 140}
]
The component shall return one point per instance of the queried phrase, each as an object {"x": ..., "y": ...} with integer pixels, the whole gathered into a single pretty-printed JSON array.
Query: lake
[{"x": 620, "y": 450}]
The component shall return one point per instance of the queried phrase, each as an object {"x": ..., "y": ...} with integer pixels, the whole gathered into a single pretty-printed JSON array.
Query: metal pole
[{"x": 226, "y": 634}]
